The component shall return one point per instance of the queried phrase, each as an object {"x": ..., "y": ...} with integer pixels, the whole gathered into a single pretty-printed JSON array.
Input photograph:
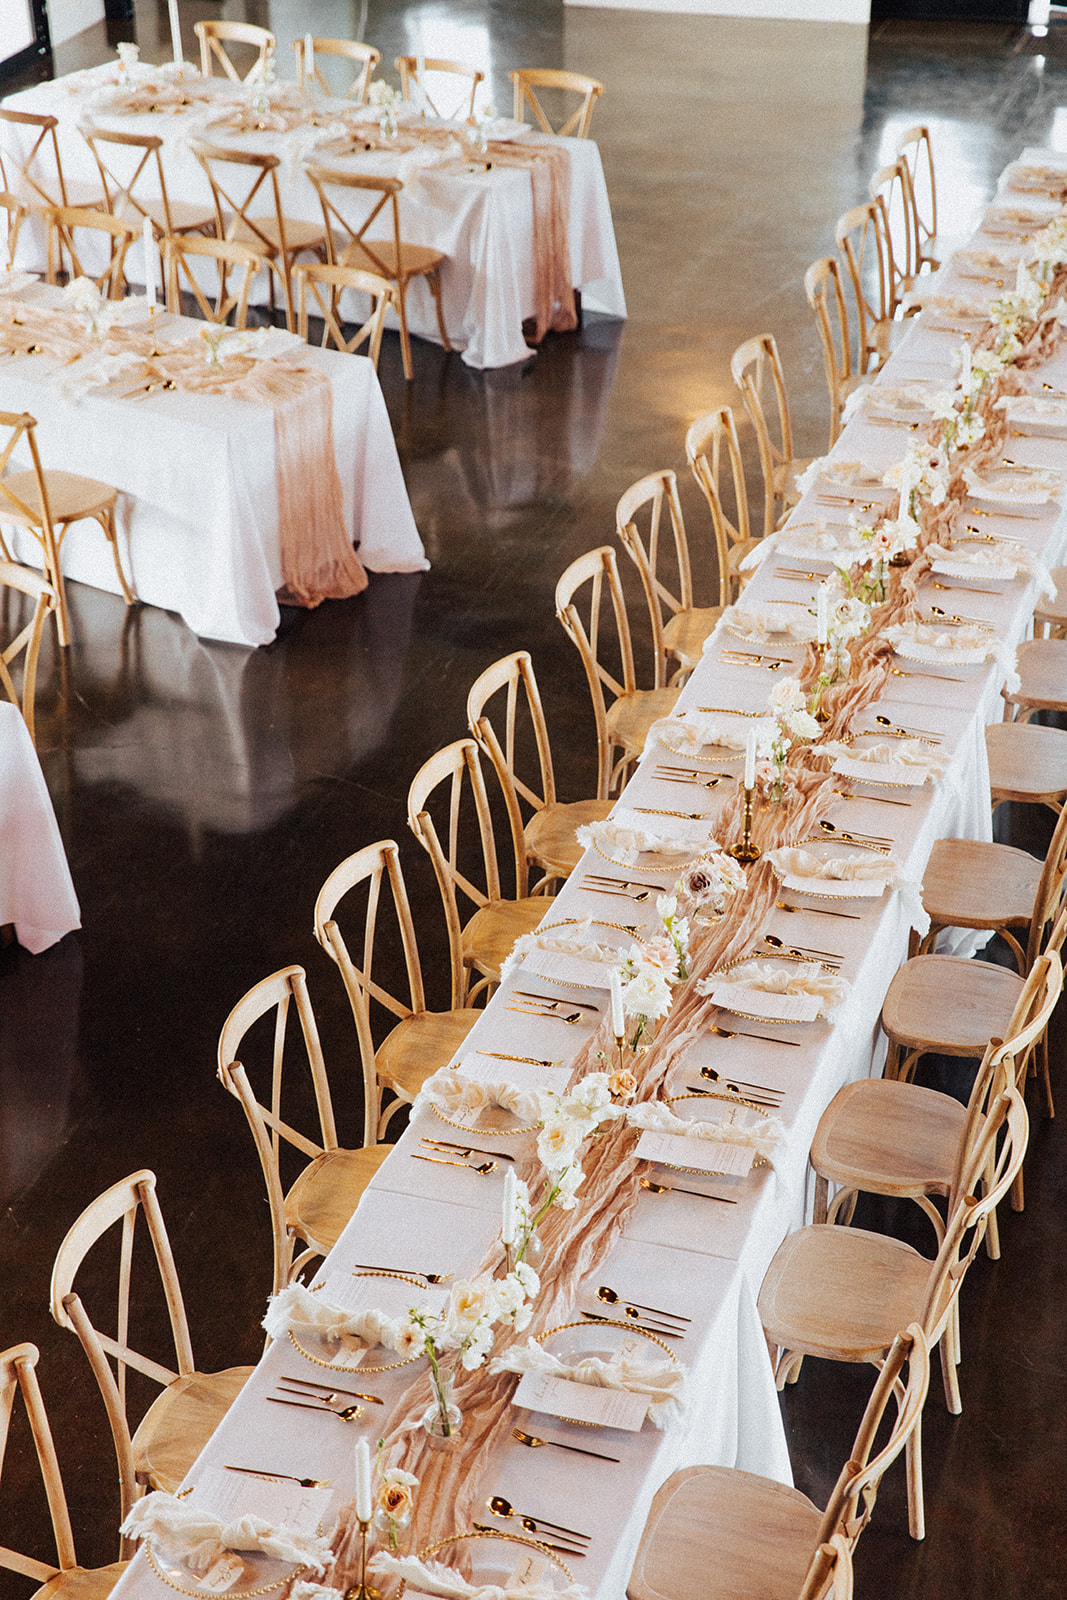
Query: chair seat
[
  {"x": 1054, "y": 611},
  {"x": 715, "y": 1533},
  {"x": 417, "y": 258},
  {"x": 972, "y": 884},
  {"x": 69, "y": 496},
  {"x": 418, "y": 1046},
  {"x": 891, "y": 1138},
  {"x": 550, "y": 833},
  {"x": 82, "y": 1583},
  {"x": 1027, "y": 763},
  {"x": 491, "y": 932},
  {"x": 948, "y": 1004},
  {"x": 320, "y": 1204},
  {"x": 298, "y": 235},
  {"x": 804, "y": 1306},
  {"x": 179, "y": 1423},
  {"x": 1042, "y": 668},
  {"x": 185, "y": 215},
  {"x": 687, "y": 631},
  {"x": 632, "y": 714}
]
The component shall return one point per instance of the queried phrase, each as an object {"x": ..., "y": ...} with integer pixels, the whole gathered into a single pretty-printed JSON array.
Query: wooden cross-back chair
[
  {"x": 317, "y": 1207},
  {"x": 350, "y": 50},
  {"x": 420, "y": 1041},
  {"x": 451, "y": 783},
  {"x": 16, "y": 213},
  {"x": 27, "y": 641},
  {"x": 529, "y": 79},
  {"x": 455, "y": 75},
  {"x": 891, "y": 187},
  {"x": 319, "y": 287},
  {"x": 35, "y": 174},
  {"x": 549, "y": 828},
  {"x": 351, "y": 205},
  {"x": 716, "y": 1533},
  {"x": 215, "y": 36},
  {"x": 826, "y": 296},
  {"x": 712, "y": 446},
  {"x": 67, "y": 223},
  {"x": 862, "y": 236},
  {"x": 915, "y": 150},
  {"x": 751, "y": 365},
  {"x": 841, "y": 1293},
  {"x": 623, "y": 725},
  {"x": 679, "y": 628},
  {"x": 64, "y": 1579},
  {"x": 180, "y": 255},
  {"x": 238, "y": 179},
  {"x": 131, "y": 175},
  {"x": 181, "y": 1419}
]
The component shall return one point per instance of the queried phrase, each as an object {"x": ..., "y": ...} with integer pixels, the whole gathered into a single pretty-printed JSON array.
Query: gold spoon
[
  {"x": 504, "y": 1508},
  {"x": 263, "y": 1472},
  {"x": 779, "y": 944},
  {"x": 485, "y": 1169},
  {"x": 717, "y": 1077},
  {"x": 817, "y": 911},
  {"x": 843, "y": 833},
  {"x": 610, "y": 1298},
  {"x": 767, "y": 1038}
]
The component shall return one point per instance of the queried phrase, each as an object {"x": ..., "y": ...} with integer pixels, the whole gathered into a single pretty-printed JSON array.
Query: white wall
[
  {"x": 68, "y": 17},
  {"x": 787, "y": 10}
]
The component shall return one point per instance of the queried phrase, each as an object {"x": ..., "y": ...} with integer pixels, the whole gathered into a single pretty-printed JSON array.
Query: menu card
[
  {"x": 709, "y": 1155},
  {"x": 773, "y": 1007},
  {"x": 581, "y": 1402},
  {"x": 237, "y": 1494}
]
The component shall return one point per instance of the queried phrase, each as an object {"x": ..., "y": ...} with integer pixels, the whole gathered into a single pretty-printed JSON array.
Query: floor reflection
[{"x": 40, "y": 999}]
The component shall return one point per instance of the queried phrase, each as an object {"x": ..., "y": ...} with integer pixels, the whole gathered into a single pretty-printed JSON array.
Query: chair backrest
[
  {"x": 862, "y": 236},
  {"x": 180, "y": 254},
  {"x": 18, "y": 1377},
  {"x": 214, "y": 36},
  {"x": 830, "y": 1576},
  {"x": 237, "y": 178},
  {"x": 16, "y": 213},
  {"x": 826, "y": 297},
  {"x": 1051, "y": 893},
  {"x": 15, "y": 426},
  {"x": 575, "y": 126},
  {"x": 319, "y": 288},
  {"x": 916, "y": 152},
  {"x": 711, "y": 444},
  {"x": 750, "y": 365},
  {"x": 270, "y": 1129},
  {"x": 891, "y": 186},
  {"x": 452, "y": 782},
  {"x": 36, "y": 174},
  {"x": 523, "y": 714},
  {"x": 66, "y": 224},
  {"x": 643, "y": 503},
  {"x": 351, "y": 50},
  {"x": 349, "y": 209},
  {"x": 124, "y": 1202},
  {"x": 27, "y": 641},
  {"x": 131, "y": 172},
  {"x": 598, "y": 569},
  {"x": 441, "y": 86}
]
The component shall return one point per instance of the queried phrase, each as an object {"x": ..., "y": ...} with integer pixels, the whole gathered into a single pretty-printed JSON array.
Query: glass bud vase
[{"x": 441, "y": 1434}]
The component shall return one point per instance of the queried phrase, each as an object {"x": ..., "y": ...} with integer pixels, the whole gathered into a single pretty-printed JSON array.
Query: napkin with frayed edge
[
  {"x": 757, "y": 627},
  {"x": 911, "y": 753},
  {"x": 965, "y": 647},
  {"x": 771, "y": 977},
  {"x": 433, "y": 1577},
  {"x": 662, "y": 1381},
  {"x": 793, "y": 865},
  {"x": 451, "y": 1092},
  {"x": 627, "y": 838},
  {"x": 763, "y": 1136},
  {"x": 692, "y": 731},
  {"x": 576, "y": 941},
  {"x": 296, "y": 1307},
  {"x": 1007, "y": 562},
  {"x": 201, "y": 1536}
]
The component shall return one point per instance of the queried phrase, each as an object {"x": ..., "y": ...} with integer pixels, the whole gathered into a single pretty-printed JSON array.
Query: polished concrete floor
[{"x": 205, "y": 791}]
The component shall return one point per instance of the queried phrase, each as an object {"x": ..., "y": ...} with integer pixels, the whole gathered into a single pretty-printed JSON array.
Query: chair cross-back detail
[
  {"x": 528, "y": 79},
  {"x": 915, "y": 152},
  {"x": 348, "y": 243},
  {"x": 350, "y": 50},
  {"x": 15, "y": 580},
  {"x": 711, "y": 445},
  {"x": 862, "y": 236},
  {"x": 180, "y": 254},
  {"x": 37, "y": 173},
  {"x": 448, "y": 74},
  {"x": 131, "y": 164},
  {"x": 679, "y": 628},
  {"x": 179, "y": 1421},
  {"x": 214, "y": 36},
  {"x": 319, "y": 288},
  {"x": 750, "y": 366},
  {"x": 420, "y": 1041},
  {"x": 318, "y": 1205},
  {"x": 826, "y": 297},
  {"x": 66, "y": 223},
  {"x": 891, "y": 188}
]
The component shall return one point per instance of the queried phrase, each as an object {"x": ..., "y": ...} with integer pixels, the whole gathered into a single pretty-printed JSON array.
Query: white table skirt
[
  {"x": 198, "y": 503},
  {"x": 483, "y": 222},
  {"x": 36, "y": 891}
]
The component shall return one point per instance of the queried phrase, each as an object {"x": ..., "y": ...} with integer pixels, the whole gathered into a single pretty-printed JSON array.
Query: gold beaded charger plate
[
  {"x": 601, "y": 1340},
  {"x": 336, "y": 1357},
  {"x": 832, "y": 888},
  {"x": 689, "y": 1114},
  {"x": 768, "y": 959},
  {"x": 249, "y": 1572},
  {"x": 492, "y": 1557},
  {"x": 654, "y": 861}
]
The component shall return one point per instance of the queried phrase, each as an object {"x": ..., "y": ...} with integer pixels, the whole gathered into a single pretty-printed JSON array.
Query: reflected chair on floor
[
  {"x": 349, "y": 50},
  {"x": 180, "y": 1421},
  {"x": 679, "y": 628},
  {"x": 215, "y": 36},
  {"x": 824, "y": 287},
  {"x": 529, "y": 79},
  {"x": 711, "y": 444},
  {"x": 180, "y": 256},
  {"x": 318, "y": 1205},
  {"x": 420, "y": 1041},
  {"x": 15, "y": 580},
  {"x": 67, "y": 225},
  {"x": 717, "y": 1533},
  {"x": 549, "y": 829},
  {"x": 440, "y": 87},
  {"x": 64, "y": 1579},
  {"x": 591, "y": 583},
  {"x": 750, "y": 366},
  {"x": 318, "y": 292},
  {"x": 452, "y": 784}
]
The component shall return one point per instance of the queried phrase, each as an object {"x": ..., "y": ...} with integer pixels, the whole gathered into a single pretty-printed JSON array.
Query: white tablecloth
[
  {"x": 482, "y": 221},
  {"x": 36, "y": 891},
  {"x": 198, "y": 508}
]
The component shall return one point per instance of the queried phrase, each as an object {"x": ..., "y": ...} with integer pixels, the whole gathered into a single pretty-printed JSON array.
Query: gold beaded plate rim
[
  {"x": 731, "y": 1099},
  {"x": 775, "y": 1022},
  {"x": 606, "y": 1322},
  {"x": 486, "y": 1133},
  {"x": 688, "y": 755},
  {"x": 643, "y": 866},
  {"x": 508, "y": 1538},
  {"x": 290, "y": 1572},
  {"x": 334, "y": 1366}
]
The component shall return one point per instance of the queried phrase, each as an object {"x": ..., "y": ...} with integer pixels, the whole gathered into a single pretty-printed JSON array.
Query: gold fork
[{"x": 535, "y": 1444}]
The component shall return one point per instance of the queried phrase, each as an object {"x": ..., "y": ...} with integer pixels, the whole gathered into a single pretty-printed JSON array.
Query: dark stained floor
[{"x": 205, "y": 791}]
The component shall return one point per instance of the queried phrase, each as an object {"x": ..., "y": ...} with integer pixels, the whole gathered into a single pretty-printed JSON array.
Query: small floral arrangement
[
  {"x": 1048, "y": 249},
  {"x": 651, "y": 970},
  {"x": 567, "y": 1120},
  {"x": 385, "y": 99},
  {"x": 794, "y": 725},
  {"x": 1013, "y": 310},
  {"x": 394, "y": 1498},
  {"x": 873, "y": 545},
  {"x": 128, "y": 55},
  {"x": 707, "y": 884},
  {"x": 85, "y": 297}
]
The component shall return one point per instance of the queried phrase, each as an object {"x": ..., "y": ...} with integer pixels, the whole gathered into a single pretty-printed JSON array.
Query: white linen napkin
[
  {"x": 296, "y": 1308},
  {"x": 1033, "y": 486},
  {"x": 452, "y": 1091},
  {"x": 998, "y": 565},
  {"x": 433, "y": 1577},
  {"x": 690, "y": 731},
  {"x": 762, "y": 1135},
  {"x": 963, "y": 647},
  {"x": 772, "y": 622},
  {"x": 201, "y": 1536},
  {"x": 913, "y": 761},
  {"x": 799, "y": 870},
  {"x": 576, "y": 941},
  {"x": 818, "y": 991},
  {"x": 662, "y": 1381},
  {"x": 625, "y": 837}
]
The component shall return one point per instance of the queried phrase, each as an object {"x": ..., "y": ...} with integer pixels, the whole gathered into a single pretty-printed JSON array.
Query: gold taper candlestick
[
  {"x": 363, "y": 1590},
  {"x": 746, "y": 852}
]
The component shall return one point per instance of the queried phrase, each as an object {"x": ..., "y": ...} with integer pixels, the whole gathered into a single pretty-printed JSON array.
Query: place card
[
  {"x": 233, "y": 1495},
  {"x": 554, "y": 967},
  {"x": 708, "y": 1155},
  {"x": 772, "y": 1007},
  {"x": 581, "y": 1402}
]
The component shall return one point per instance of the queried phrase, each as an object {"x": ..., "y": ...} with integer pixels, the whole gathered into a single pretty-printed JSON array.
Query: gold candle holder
[
  {"x": 820, "y": 712},
  {"x": 745, "y": 851},
  {"x": 363, "y": 1590}
]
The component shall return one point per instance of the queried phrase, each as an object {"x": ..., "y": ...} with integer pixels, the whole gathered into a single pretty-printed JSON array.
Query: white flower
[
  {"x": 787, "y": 695},
  {"x": 382, "y": 95},
  {"x": 529, "y": 1279},
  {"x": 667, "y": 905},
  {"x": 558, "y": 1142},
  {"x": 802, "y": 725},
  {"x": 568, "y": 1183},
  {"x": 648, "y": 994},
  {"x": 970, "y": 430}
]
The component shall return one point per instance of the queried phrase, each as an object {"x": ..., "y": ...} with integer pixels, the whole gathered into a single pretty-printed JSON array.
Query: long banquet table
[
  {"x": 481, "y": 220},
  {"x": 36, "y": 891},
  {"x": 684, "y": 1253}
]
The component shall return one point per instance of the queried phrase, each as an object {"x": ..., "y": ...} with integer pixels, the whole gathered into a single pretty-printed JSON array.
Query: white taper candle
[
  {"x": 175, "y": 32},
  {"x": 618, "y": 1016},
  {"x": 148, "y": 235},
  {"x": 750, "y": 759},
  {"x": 364, "y": 1510},
  {"x": 507, "y": 1228},
  {"x": 309, "y": 63},
  {"x": 822, "y": 613}
]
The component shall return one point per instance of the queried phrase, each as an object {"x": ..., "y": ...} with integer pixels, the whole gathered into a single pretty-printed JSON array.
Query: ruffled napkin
[
  {"x": 576, "y": 941},
  {"x": 662, "y": 1381},
  {"x": 909, "y": 402},
  {"x": 807, "y": 980},
  {"x": 757, "y": 627},
  {"x": 959, "y": 647},
  {"x": 845, "y": 474},
  {"x": 999, "y": 565},
  {"x": 201, "y": 1536},
  {"x": 297, "y": 1310},
  {"x": 94, "y": 371},
  {"x": 815, "y": 541},
  {"x": 433, "y": 1577},
  {"x": 917, "y": 760},
  {"x": 798, "y": 870},
  {"x": 947, "y": 307},
  {"x": 1015, "y": 219},
  {"x": 624, "y": 838},
  {"x": 425, "y": 156},
  {"x": 688, "y": 732},
  {"x": 1035, "y": 411},
  {"x": 452, "y": 1092},
  {"x": 1033, "y": 486},
  {"x": 762, "y": 1135}
]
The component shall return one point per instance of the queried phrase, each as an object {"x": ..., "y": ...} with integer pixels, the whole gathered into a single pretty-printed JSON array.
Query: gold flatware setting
[
  {"x": 549, "y": 1015},
  {"x": 820, "y": 911},
  {"x": 281, "y": 1477},
  {"x": 738, "y": 658},
  {"x": 686, "y": 816},
  {"x": 850, "y": 500},
  {"x": 403, "y": 1272},
  {"x": 706, "y": 780},
  {"x": 698, "y": 1194},
  {"x": 466, "y": 1150},
  {"x": 872, "y": 799},
  {"x": 980, "y": 536},
  {"x": 797, "y": 575},
  {"x": 962, "y": 588},
  {"x": 937, "y": 615},
  {"x": 632, "y": 890},
  {"x": 534, "y": 1443},
  {"x": 874, "y": 839},
  {"x": 611, "y": 1297},
  {"x": 504, "y": 1508},
  {"x": 775, "y": 943},
  {"x": 346, "y": 1414},
  {"x": 890, "y": 730},
  {"x": 1014, "y": 516},
  {"x": 546, "y": 1541},
  {"x": 739, "y": 1085},
  {"x": 739, "y": 1033},
  {"x": 527, "y": 1061},
  {"x": 641, "y": 1324},
  {"x": 934, "y": 677},
  {"x": 328, "y": 1393},
  {"x": 483, "y": 1169},
  {"x": 554, "y": 1000}
]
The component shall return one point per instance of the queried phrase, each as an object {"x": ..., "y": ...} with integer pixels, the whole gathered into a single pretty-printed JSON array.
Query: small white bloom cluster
[
  {"x": 382, "y": 96},
  {"x": 789, "y": 705},
  {"x": 566, "y": 1121},
  {"x": 710, "y": 881},
  {"x": 468, "y": 1323}
]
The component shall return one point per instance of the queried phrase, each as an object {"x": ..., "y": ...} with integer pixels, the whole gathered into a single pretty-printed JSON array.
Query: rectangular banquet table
[
  {"x": 482, "y": 221},
  {"x": 36, "y": 891},
  {"x": 687, "y": 1254},
  {"x": 198, "y": 502}
]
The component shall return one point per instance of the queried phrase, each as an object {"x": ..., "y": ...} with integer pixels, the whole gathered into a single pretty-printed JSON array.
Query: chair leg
[
  {"x": 433, "y": 280},
  {"x": 53, "y": 571},
  {"x": 388, "y": 1114},
  {"x": 948, "y": 1350},
  {"x": 106, "y": 520},
  {"x": 405, "y": 342},
  {"x": 822, "y": 1191},
  {"x": 913, "y": 1459}
]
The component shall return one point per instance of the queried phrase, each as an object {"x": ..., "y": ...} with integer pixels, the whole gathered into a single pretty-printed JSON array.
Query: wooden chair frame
[
  {"x": 645, "y": 501},
  {"x": 711, "y": 443},
  {"x": 862, "y": 237},
  {"x": 29, "y": 167},
  {"x": 915, "y": 151},
  {"x": 16, "y": 215},
  {"x": 599, "y": 569},
  {"x": 576, "y": 126},
  {"x": 323, "y": 284},
  {"x": 347, "y": 244},
  {"x": 891, "y": 188},
  {"x": 750, "y": 365},
  {"x": 120, "y": 198},
  {"x": 214, "y": 36},
  {"x": 227, "y": 254},
  {"x": 27, "y": 642},
  {"x": 826, "y": 297},
  {"x": 351, "y": 50},
  {"x": 64, "y": 221},
  {"x": 408, "y": 68}
]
